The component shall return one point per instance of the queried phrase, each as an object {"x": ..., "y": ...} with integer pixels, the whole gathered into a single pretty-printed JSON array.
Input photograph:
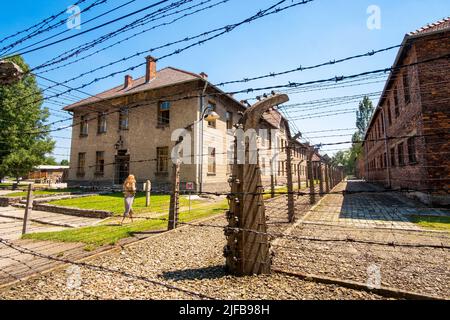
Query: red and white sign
[{"x": 189, "y": 186}]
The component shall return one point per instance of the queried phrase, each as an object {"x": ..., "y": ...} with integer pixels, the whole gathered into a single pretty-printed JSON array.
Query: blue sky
[{"x": 306, "y": 35}]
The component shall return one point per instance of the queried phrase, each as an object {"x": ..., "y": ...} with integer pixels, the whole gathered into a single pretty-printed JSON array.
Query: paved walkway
[
  {"x": 49, "y": 218},
  {"x": 369, "y": 210}
]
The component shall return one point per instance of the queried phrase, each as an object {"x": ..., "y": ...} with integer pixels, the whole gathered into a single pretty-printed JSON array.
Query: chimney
[
  {"x": 128, "y": 81},
  {"x": 204, "y": 75},
  {"x": 150, "y": 73}
]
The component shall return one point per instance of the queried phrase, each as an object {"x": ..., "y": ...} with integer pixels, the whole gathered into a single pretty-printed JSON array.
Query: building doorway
[{"x": 122, "y": 161}]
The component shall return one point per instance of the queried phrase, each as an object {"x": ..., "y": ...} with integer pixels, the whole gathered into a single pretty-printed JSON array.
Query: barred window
[
  {"x": 81, "y": 163},
  {"x": 164, "y": 113},
  {"x": 229, "y": 119},
  {"x": 412, "y": 150},
  {"x": 84, "y": 126},
  {"x": 100, "y": 163},
  {"x": 123, "y": 118},
  {"x": 406, "y": 87},
  {"x": 211, "y": 160},
  {"x": 101, "y": 123},
  {"x": 162, "y": 159},
  {"x": 393, "y": 157},
  {"x": 400, "y": 154}
]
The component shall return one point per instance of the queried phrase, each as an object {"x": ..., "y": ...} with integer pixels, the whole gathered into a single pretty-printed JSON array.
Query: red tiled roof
[
  {"x": 165, "y": 77},
  {"x": 431, "y": 27}
]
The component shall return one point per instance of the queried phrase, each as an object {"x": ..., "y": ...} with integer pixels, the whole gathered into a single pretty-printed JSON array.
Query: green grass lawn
[
  {"x": 436, "y": 223},
  {"x": 41, "y": 192},
  {"x": 115, "y": 203},
  {"x": 9, "y": 184},
  {"x": 110, "y": 232},
  {"x": 267, "y": 193}
]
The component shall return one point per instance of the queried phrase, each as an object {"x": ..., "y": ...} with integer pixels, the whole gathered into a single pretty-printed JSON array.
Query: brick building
[
  {"x": 128, "y": 130},
  {"x": 407, "y": 142}
]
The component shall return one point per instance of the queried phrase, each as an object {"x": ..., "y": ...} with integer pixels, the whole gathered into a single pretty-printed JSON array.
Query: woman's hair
[{"x": 129, "y": 181}]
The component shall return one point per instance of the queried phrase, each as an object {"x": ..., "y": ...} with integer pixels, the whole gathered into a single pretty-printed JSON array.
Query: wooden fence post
[
  {"x": 327, "y": 178},
  {"x": 312, "y": 196},
  {"x": 148, "y": 188},
  {"x": 175, "y": 196},
  {"x": 320, "y": 167},
  {"x": 247, "y": 249},
  {"x": 27, "y": 209},
  {"x": 272, "y": 178},
  {"x": 290, "y": 182}
]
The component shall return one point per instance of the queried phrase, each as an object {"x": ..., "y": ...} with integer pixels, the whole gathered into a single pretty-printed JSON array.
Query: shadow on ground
[{"x": 215, "y": 272}]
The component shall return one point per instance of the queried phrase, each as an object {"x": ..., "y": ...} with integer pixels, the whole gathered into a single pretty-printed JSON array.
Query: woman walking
[{"x": 129, "y": 191}]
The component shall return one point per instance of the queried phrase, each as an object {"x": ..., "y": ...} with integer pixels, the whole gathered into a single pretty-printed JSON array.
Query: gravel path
[
  {"x": 191, "y": 260},
  {"x": 423, "y": 270}
]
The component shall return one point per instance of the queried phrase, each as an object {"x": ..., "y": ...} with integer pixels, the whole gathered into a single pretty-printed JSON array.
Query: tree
[
  {"x": 51, "y": 161},
  {"x": 65, "y": 162},
  {"x": 349, "y": 158},
  {"x": 24, "y": 139},
  {"x": 363, "y": 115}
]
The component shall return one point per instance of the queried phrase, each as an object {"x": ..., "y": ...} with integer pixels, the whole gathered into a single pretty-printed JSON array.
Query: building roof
[
  {"x": 47, "y": 167},
  {"x": 432, "y": 27},
  {"x": 166, "y": 77},
  {"x": 428, "y": 30}
]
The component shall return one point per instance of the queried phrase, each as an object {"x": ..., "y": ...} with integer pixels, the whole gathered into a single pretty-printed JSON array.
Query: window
[
  {"x": 282, "y": 168},
  {"x": 401, "y": 159},
  {"x": 212, "y": 107},
  {"x": 162, "y": 159},
  {"x": 123, "y": 118},
  {"x": 412, "y": 150},
  {"x": 397, "y": 107},
  {"x": 81, "y": 163},
  {"x": 211, "y": 160},
  {"x": 282, "y": 146},
  {"x": 84, "y": 126},
  {"x": 164, "y": 113},
  {"x": 229, "y": 119},
  {"x": 392, "y": 157},
  {"x": 100, "y": 163},
  {"x": 406, "y": 87},
  {"x": 389, "y": 113},
  {"x": 101, "y": 123}
]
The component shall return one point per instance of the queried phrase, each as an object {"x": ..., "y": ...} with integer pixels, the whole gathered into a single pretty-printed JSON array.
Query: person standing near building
[{"x": 129, "y": 191}]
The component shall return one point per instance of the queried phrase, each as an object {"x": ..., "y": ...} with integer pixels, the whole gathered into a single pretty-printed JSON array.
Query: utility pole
[
  {"x": 320, "y": 178},
  {"x": 247, "y": 249}
]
